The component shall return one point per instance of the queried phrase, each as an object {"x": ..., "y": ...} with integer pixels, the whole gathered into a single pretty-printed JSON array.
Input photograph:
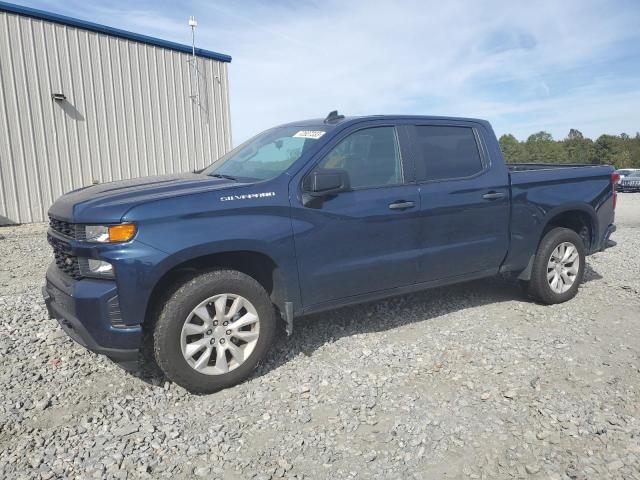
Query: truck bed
[{"x": 540, "y": 191}]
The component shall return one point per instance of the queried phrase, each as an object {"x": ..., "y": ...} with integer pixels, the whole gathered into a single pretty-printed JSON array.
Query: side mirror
[
  {"x": 324, "y": 183},
  {"x": 327, "y": 181}
]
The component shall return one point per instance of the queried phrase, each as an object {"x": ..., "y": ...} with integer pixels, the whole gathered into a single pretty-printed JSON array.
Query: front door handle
[
  {"x": 493, "y": 195},
  {"x": 401, "y": 205}
]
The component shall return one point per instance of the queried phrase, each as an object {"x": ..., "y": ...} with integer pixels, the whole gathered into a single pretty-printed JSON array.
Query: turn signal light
[{"x": 122, "y": 233}]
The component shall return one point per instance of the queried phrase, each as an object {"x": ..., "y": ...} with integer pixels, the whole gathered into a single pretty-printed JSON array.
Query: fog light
[
  {"x": 90, "y": 267},
  {"x": 100, "y": 267}
]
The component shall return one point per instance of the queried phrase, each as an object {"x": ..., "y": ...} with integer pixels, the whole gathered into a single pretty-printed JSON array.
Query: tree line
[{"x": 621, "y": 151}]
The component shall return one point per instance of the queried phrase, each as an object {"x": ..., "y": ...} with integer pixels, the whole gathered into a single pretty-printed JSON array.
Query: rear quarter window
[{"x": 445, "y": 152}]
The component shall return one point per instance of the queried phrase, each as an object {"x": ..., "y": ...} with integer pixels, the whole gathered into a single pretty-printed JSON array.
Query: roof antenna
[
  {"x": 333, "y": 117},
  {"x": 195, "y": 89}
]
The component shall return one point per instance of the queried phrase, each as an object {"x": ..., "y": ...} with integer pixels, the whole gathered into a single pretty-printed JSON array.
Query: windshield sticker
[
  {"x": 315, "y": 134},
  {"x": 247, "y": 196}
]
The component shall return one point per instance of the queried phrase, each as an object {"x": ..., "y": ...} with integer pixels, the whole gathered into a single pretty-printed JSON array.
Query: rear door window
[{"x": 445, "y": 152}]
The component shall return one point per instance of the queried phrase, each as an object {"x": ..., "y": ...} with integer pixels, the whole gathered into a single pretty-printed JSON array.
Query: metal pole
[{"x": 193, "y": 24}]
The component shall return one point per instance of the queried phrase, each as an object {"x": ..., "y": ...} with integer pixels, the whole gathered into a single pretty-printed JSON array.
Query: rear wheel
[
  {"x": 213, "y": 331},
  {"x": 558, "y": 267}
]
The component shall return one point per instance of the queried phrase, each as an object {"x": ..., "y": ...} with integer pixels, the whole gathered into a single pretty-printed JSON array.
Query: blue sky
[{"x": 525, "y": 66}]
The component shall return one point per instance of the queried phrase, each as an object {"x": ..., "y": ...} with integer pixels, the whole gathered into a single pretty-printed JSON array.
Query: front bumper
[{"x": 87, "y": 310}]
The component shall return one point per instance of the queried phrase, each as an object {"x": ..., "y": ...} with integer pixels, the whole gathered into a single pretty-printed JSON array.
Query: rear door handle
[
  {"x": 401, "y": 205},
  {"x": 493, "y": 195}
]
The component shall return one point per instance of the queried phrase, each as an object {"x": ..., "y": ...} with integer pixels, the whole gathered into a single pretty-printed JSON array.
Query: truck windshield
[{"x": 266, "y": 155}]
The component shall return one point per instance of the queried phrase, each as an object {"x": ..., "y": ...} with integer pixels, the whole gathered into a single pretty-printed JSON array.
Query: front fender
[{"x": 192, "y": 227}]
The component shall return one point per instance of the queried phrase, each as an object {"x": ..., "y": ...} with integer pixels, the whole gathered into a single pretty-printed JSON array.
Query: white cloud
[
  {"x": 427, "y": 58},
  {"x": 513, "y": 63}
]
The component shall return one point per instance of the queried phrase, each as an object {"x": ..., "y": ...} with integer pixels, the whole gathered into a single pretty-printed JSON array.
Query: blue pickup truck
[{"x": 306, "y": 217}]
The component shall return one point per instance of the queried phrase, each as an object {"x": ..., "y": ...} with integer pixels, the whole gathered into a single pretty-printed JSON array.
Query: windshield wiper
[{"x": 221, "y": 175}]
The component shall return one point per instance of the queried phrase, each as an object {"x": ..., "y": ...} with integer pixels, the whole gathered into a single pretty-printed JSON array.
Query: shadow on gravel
[
  {"x": 313, "y": 331},
  {"x": 590, "y": 274}
]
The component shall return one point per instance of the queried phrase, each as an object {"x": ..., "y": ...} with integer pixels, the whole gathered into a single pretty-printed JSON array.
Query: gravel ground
[{"x": 470, "y": 381}]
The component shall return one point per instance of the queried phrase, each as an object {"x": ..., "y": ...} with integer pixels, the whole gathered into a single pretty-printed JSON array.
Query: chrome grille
[
  {"x": 68, "y": 264},
  {"x": 67, "y": 229}
]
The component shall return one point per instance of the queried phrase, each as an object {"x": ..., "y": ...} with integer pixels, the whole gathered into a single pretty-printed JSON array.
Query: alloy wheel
[
  {"x": 563, "y": 267},
  {"x": 219, "y": 334}
]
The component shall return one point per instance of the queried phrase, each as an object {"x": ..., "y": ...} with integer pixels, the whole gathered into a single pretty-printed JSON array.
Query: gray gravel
[{"x": 471, "y": 381}]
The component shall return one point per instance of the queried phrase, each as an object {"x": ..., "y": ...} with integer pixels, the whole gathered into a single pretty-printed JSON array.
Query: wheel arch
[
  {"x": 580, "y": 218},
  {"x": 258, "y": 265}
]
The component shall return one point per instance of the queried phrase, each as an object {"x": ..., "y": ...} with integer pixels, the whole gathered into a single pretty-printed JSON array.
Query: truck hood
[{"x": 108, "y": 202}]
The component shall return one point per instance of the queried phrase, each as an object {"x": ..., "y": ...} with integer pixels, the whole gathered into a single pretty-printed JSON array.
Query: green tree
[
  {"x": 575, "y": 135},
  {"x": 578, "y": 149},
  {"x": 613, "y": 150},
  {"x": 621, "y": 151},
  {"x": 541, "y": 148},
  {"x": 512, "y": 149},
  {"x": 634, "y": 150}
]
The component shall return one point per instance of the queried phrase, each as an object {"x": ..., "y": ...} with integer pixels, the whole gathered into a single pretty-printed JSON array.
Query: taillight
[{"x": 615, "y": 177}]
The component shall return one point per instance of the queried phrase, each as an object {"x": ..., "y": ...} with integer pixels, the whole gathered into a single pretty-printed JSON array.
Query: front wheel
[
  {"x": 558, "y": 267},
  {"x": 213, "y": 331}
]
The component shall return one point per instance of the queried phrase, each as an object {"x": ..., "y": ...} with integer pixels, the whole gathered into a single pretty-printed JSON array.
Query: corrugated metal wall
[{"x": 127, "y": 112}]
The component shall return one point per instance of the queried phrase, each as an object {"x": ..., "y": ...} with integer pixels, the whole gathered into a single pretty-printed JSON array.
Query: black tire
[
  {"x": 538, "y": 286},
  {"x": 176, "y": 310}
]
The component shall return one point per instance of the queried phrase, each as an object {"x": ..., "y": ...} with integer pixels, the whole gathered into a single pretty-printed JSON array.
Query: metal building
[{"x": 83, "y": 103}]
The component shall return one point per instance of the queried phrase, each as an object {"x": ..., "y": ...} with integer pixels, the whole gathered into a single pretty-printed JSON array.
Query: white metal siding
[{"x": 128, "y": 112}]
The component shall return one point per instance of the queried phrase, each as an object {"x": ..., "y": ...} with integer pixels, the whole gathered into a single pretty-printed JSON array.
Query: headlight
[
  {"x": 110, "y": 233},
  {"x": 97, "y": 233},
  {"x": 90, "y": 267}
]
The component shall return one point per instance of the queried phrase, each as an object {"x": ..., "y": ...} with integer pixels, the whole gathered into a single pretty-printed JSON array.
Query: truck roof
[{"x": 354, "y": 119}]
